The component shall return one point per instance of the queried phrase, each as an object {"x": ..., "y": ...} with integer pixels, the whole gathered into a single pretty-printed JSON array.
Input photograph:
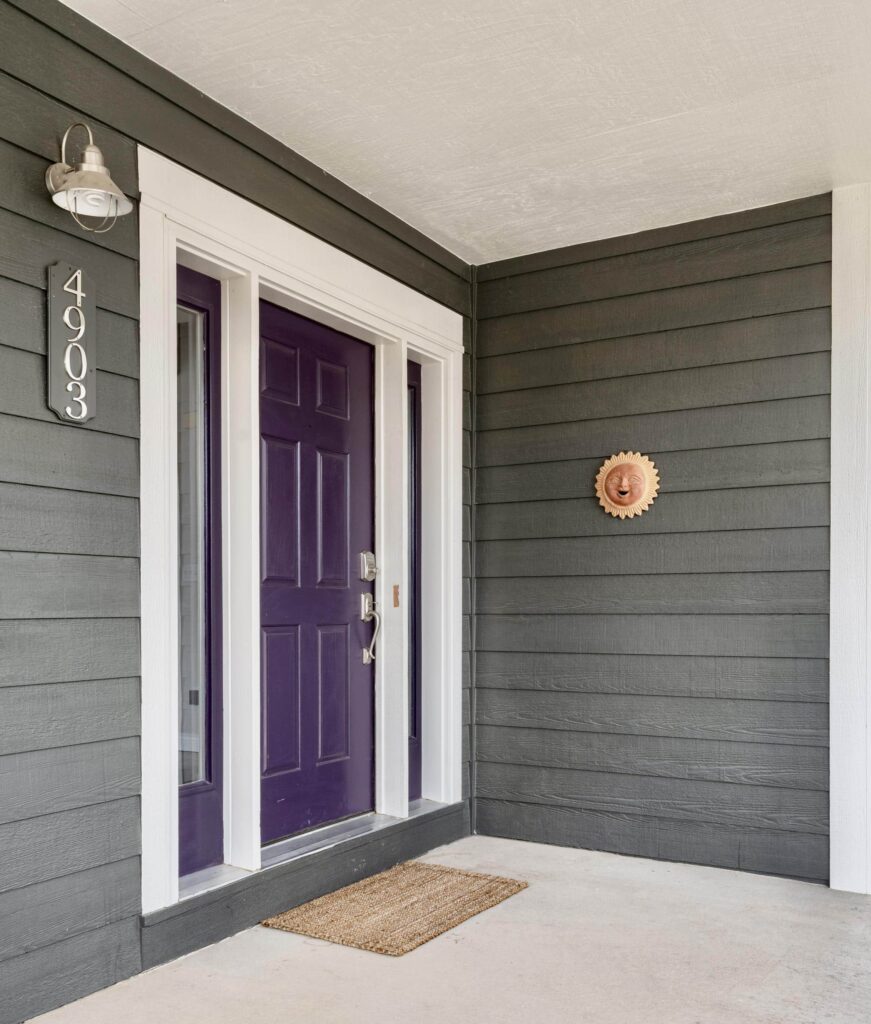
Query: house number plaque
[{"x": 72, "y": 344}]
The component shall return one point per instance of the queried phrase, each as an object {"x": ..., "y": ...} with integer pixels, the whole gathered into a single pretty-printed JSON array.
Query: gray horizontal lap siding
[
  {"x": 69, "y": 537},
  {"x": 658, "y": 686},
  {"x": 69, "y": 590}
]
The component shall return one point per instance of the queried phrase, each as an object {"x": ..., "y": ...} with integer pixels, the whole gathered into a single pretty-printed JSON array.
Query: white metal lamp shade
[{"x": 87, "y": 191}]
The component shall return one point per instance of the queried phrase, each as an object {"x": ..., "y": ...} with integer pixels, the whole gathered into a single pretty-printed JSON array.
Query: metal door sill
[
  {"x": 332, "y": 835},
  {"x": 296, "y": 847},
  {"x": 198, "y": 882}
]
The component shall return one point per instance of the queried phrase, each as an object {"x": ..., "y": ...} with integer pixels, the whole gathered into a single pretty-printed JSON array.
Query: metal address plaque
[{"x": 72, "y": 344}]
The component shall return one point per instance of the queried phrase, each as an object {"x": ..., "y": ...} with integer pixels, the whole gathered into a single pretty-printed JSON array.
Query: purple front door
[{"x": 316, "y": 507}]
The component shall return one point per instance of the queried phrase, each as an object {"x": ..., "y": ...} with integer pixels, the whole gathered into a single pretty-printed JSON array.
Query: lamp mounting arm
[
  {"x": 54, "y": 176},
  {"x": 63, "y": 145}
]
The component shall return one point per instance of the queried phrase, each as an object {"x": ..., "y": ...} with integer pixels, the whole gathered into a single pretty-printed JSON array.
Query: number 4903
[{"x": 70, "y": 341}]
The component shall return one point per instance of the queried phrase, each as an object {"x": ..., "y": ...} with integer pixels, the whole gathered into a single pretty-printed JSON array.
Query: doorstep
[{"x": 295, "y": 871}]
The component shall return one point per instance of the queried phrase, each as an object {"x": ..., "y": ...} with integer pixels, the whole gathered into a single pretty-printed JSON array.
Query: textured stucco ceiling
[{"x": 502, "y": 127}]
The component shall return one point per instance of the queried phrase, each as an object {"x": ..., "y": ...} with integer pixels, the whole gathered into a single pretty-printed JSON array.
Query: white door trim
[
  {"x": 256, "y": 254},
  {"x": 850, "y": 568}
]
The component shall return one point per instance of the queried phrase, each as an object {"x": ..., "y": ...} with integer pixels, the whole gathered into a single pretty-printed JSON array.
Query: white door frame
[
  {"x": 850, "y": 567},
  {"x": 185, "y": 218}
]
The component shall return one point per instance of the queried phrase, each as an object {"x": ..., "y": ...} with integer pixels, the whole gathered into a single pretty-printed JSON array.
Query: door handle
[{"x": 368, "y": 612}]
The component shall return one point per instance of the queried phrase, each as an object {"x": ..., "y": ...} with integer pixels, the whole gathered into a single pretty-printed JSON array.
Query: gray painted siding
[
  {"x": 69, "y": 543},
  {"x": 69, "y": 593},
  {"x": 658, "y": 686}
]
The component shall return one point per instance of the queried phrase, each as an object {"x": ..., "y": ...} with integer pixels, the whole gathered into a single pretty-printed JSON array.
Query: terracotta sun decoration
[{"x": 627, "y": 484}]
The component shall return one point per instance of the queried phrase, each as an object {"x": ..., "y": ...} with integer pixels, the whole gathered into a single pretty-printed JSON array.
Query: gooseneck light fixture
[{"x": 88, "y": 191}]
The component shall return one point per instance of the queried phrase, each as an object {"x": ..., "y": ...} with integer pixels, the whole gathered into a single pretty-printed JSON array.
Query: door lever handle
[{"x": 368, "y": 612}]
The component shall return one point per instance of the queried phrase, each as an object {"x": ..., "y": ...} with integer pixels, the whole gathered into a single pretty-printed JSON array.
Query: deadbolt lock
[{"x": 368, "y": 567}]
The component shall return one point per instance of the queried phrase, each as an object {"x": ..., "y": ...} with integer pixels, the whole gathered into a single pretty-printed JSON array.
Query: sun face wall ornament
[{"x": 627, "y": 484}]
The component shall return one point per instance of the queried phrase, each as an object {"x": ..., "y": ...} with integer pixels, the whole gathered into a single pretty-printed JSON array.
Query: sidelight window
[{"x": 199, "y": 571}]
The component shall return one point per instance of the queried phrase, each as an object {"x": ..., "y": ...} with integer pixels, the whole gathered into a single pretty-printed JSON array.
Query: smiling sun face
[{"x": 626, "y": 484}]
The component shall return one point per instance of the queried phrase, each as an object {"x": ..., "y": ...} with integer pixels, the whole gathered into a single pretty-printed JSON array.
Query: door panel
[
  {"x": 334, "y": 657},
  {"x": 281, "y": 718},
  {"x": 333, "y": 506},
  {"x": 316, "y": 422},
  {"x": 279, "y": 466}
]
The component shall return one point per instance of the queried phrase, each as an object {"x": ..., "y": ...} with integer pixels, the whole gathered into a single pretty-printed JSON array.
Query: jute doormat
[{"x": 398, "y": 910}]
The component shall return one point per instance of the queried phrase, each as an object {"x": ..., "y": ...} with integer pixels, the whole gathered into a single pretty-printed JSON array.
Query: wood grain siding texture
[
  {"x": 69, "y": 538},
  {"x": 658, "y": 686},
  {"x": 69, "y": 588}
]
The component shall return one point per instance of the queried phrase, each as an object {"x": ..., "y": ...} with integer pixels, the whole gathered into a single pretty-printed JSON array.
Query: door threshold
[
  {"x": 295, "y": 847},
  {"x": 197, "y": 921},
  {"x": 340, "y": 831},
  {"x": 198, "y": 882}
]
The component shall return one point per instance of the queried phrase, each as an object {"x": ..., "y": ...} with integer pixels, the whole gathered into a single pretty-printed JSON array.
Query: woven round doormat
[{"x": 398, "y": 910}]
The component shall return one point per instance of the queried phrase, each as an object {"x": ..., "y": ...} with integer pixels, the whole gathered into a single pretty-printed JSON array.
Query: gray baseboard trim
[{"x": 202, "y": 920}]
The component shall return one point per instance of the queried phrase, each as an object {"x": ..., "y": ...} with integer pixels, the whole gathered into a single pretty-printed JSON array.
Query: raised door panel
[
  {"x": 279, "y": 467},
  {"x": 334, "y": 733},
  {"x": 280, "y": 708}
]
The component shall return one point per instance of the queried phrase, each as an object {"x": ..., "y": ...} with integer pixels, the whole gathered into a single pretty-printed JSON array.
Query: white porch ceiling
[{"x": 502, "y": 127}]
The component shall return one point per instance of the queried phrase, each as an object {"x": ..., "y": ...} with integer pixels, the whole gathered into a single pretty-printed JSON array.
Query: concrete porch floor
[{"x": 596, "y": 938}]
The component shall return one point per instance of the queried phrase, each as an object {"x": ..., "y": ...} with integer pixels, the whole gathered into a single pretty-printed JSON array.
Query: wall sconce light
[{"x": 87, "y": 191}]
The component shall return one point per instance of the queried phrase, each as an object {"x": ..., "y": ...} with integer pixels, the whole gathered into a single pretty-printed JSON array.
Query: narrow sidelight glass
[
  {"x": 200, "y": 725},
  {"x": 192, "y": 698},
  {"x": 415, "y": 620}
]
